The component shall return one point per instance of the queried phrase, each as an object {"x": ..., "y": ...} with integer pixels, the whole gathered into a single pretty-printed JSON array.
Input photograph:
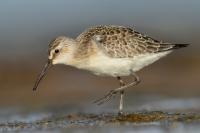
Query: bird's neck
[{"x": 69, "y": 54}]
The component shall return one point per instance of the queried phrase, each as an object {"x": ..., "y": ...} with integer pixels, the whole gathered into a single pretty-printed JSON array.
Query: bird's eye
[{"x": 56, "y": 51}]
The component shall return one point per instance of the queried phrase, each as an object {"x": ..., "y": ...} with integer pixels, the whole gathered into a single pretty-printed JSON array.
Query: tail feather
[
  {"x": 168, "y": 46},
  {"x": 177, "y": 46}
]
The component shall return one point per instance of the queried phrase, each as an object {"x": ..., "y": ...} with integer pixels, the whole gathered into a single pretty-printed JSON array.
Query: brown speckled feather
[{"x": 120, "y": 42}]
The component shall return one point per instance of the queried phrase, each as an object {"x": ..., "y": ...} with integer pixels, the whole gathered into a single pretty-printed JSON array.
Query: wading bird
[{"x": 108, "y": 51}]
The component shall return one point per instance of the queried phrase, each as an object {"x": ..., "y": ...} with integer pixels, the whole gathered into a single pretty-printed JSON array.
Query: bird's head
[{"x": 60, "y": 52}]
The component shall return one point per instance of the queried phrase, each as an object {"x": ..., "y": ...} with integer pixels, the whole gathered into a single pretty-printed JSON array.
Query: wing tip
[{"x": 177, "y": 46}]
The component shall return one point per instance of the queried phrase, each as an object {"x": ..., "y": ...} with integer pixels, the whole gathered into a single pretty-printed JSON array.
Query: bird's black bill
[{"x": 42, "y": 74}]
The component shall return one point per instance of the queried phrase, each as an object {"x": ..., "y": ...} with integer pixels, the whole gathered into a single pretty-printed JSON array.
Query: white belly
[{"x": 107, "y": 66}]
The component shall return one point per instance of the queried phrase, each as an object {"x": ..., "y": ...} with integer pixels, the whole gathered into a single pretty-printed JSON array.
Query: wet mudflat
[
  {"x": 144, "y": 114},
  {"x": 136, "y": 121}
]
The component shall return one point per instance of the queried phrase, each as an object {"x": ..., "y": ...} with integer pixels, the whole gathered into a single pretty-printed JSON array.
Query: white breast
[{"x": 101, "y": 64}]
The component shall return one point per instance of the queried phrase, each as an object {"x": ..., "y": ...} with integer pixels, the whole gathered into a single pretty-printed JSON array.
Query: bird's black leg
[
  {"x": 109, "y": 95},
  {"x": 121, "y": 102}
]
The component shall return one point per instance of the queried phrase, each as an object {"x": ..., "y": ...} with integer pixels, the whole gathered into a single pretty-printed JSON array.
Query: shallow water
[
  {"x": 177, "y": 115},
  {"x": 134, "y": 122}
]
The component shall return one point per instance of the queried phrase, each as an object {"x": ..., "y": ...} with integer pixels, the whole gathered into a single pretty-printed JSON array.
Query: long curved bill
[{"x": 42, "y": 74}]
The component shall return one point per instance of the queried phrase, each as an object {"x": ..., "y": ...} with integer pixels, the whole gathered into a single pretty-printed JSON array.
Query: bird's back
[
  {"x": 123, "y": 49},
  {"x": 122, "y": 42}
]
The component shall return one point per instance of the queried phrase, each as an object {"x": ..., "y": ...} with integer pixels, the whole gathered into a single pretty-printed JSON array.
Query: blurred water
[
  {"x": 62, "y": 119},
  {"x": 27, "y": 26}
]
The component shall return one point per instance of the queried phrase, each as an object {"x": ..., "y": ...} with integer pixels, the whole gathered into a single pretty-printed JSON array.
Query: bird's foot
[
  {"x": 106, "y": 98},
  {"x": 121, "y": 113}
]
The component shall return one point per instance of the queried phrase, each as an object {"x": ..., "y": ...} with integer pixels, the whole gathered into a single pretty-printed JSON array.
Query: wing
[{"x": 121, "y": 42}]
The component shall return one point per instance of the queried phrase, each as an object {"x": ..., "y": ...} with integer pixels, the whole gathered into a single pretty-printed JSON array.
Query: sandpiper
[{"x": 108, "y": 51}]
